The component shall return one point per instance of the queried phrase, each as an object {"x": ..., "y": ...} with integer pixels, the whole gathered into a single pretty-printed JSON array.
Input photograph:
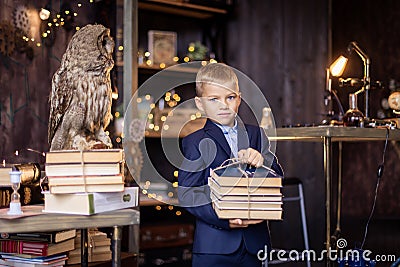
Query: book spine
[
  {"x": 23, "y": 247},
  {"x": 30, "y": 194},
  {"x": 34, "y": 237}
]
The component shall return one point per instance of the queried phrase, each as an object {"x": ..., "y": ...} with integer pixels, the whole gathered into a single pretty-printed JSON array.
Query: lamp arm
[{"x": 367, "y": 79}]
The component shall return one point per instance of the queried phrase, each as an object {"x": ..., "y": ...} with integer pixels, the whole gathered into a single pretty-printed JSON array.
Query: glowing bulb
[
  {"x": 44, "y": 14},
  {"x": 338, "y": 66}
]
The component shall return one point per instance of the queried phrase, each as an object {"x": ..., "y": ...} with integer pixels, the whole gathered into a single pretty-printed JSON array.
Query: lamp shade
[{"x": 338, "y": 66}]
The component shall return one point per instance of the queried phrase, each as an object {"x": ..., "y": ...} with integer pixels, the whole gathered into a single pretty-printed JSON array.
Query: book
[
  {"x": 106, "y": 256},
  {"x": 16, "y": 263},
  {"x": 90, "y": 188},
  {"x": 91, "y": 250},
  {"x": 30, "y": 173},
  {"x": 269, "y": 214},
  {"x": 34, "y": 261},
  {"x": 243, "y": 181},
  {"x": 30, "y": 194},
  {"x": 83, "y": 169},
  {"x": 87, "y": 156},
  {"x": 242, "y": 190},
  {"x": 253, "y": 205},
  {"x": 89, "y": 179},
  {"x": 5, "y": 176},
  {"x": 49, "y": 237},
  {"x": 272, "y": 198},
  {"x": 36, "y": 248},
  {"x": 91, "y": 203}
]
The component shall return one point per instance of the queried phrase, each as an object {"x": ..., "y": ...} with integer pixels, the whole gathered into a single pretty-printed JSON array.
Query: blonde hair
[{"x": 217, "y": 74}]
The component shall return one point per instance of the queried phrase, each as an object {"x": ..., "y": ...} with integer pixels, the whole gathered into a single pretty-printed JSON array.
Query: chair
[{"x": 294, "y": 181}]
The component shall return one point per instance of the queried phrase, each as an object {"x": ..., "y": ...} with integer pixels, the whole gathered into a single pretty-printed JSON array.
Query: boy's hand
[
  {"x": 251, "y": 156},
  {"x": 239, "y": 223}
]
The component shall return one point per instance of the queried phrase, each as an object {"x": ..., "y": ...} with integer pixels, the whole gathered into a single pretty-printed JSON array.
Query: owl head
[{"x": 90, "y": 49}]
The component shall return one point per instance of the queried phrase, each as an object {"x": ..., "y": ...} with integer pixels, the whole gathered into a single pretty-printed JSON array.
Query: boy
[{"x": 221, "y": 242}]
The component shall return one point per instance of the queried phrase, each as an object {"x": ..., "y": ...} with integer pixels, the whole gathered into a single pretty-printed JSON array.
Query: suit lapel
[
  {"x": 243, "y": 136},
  {"x": 217, "y": 135}
]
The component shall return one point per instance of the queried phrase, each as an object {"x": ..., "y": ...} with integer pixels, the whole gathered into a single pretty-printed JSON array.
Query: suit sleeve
[
  {"x": 193, "y": 191},
  {"x": 270, "y": 159}
]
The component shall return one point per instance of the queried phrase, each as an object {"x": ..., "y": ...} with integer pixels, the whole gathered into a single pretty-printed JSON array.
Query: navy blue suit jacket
[{"x": 204, "y": 149}]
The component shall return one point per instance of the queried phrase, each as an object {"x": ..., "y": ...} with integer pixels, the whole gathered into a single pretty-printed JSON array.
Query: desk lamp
[{"x": 337, "y": 68}]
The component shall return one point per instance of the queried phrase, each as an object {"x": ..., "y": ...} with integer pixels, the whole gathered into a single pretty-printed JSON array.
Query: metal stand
[
  {"x": 116, "y": 246},
  {"x": 84, "y": 248}
]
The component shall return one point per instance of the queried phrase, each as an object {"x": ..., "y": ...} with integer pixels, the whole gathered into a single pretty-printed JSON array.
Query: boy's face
[{"x": 220, "y": 104}]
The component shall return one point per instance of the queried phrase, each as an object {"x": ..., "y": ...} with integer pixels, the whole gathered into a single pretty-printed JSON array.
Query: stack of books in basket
[
  {"x": 87, "y": 182},
  {"x": 249, "y": 195}
]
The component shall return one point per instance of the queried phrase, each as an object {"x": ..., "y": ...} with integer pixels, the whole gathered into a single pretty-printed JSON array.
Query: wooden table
[
  {"x": 327, "y": 135},
  {"x": 52, "y": 221}
]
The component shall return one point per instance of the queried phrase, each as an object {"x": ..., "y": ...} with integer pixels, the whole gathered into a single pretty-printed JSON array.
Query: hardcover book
[
  {"x": 5, "y": 176},
  {"x": 49, "y": 237},
  {"x": 32, "y": 261},
  {"x": 105, "y": 256},
  {"x": 89, "y": 188},
  {"x": 272, "y": 214},
  {"x": 83, "y": 169},
  {"x": 91, "y": 203},
  {"x": 87, "y": 156},
  {"x": 242, "y": 190},
  {"x": 243, "y": 181},
  {"x": 30, "y": 194},
  {"x": 36, "y": 248},
  {"x": 256, "y": 198},
  {"x": 88, "y": 179}
]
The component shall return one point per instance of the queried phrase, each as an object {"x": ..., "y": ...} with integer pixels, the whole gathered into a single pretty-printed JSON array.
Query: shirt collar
[{"x": 226, "y": 129}]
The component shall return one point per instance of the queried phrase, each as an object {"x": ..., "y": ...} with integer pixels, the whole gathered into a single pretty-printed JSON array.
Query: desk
[
  {"x": 327, "y": 135},
  {"x": 52, "y": 221}
]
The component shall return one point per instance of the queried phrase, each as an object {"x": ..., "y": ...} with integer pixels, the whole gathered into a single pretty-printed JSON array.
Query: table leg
[
  {"x": 84, "y": 248},
  {"x": 116, "y": 246},
  {"x": 328, "y": 180},
  {"x": 337, "y": 232}
]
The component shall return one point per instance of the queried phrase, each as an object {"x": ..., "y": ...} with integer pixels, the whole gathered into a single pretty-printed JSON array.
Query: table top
[
  {"x": 55, "y": 221},
  {"x": 336, "y": 133}
]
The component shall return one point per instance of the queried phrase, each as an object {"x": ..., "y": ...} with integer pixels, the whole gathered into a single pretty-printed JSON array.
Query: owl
[{"x": 80, "y": 98}]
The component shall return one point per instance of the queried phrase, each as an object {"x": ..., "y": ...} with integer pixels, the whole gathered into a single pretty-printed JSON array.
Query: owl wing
[{"x": 60, "y": 100}]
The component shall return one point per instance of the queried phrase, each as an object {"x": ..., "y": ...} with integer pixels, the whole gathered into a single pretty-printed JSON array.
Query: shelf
[
  {"x": 181, "y": 8},
  {"x": 189, "y": 128},
  {"x": 180, "y": 68}
]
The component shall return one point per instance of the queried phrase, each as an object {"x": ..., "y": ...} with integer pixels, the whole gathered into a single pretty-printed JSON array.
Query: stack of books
[
  {"x": 99, "y": 248},
  {"x": 73, "y": 171},
  {"x": 235, "y": 196},
  {"x": 36, "y": 249},
  {"x": 87, "y": 182}
]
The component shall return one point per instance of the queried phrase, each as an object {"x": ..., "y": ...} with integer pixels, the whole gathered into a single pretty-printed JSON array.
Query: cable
[{"x": 379, "y": 175}]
